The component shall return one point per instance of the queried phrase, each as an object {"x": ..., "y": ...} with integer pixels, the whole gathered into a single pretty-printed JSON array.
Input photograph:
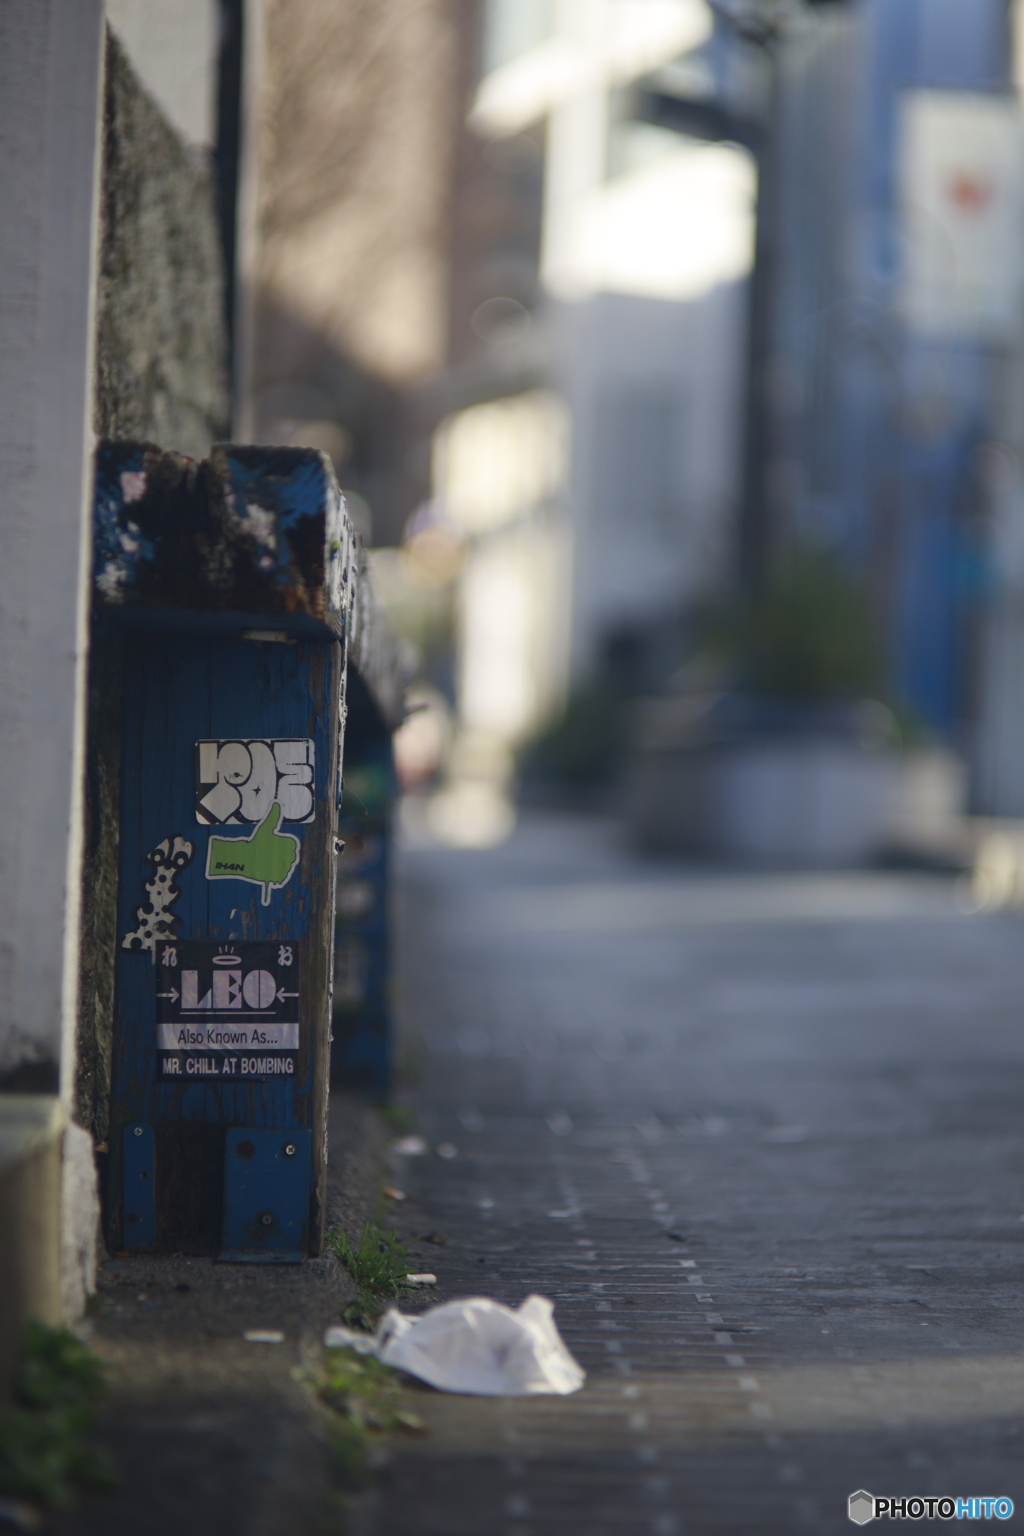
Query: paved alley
[{"x": 760, "y": 1138}]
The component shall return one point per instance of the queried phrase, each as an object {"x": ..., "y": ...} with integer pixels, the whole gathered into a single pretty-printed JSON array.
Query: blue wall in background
[{"x": 888, "y": 427}]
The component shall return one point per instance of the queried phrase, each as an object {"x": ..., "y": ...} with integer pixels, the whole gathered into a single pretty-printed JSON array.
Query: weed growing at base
[
  {"x": 365, "y": 1399},
  {"x": 378, "y": 1263}
]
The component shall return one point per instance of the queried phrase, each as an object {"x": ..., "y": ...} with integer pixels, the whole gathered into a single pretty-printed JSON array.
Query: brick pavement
[
  {"x": 760, "y": 1137},
  {"x": 210, "y": 1434}
]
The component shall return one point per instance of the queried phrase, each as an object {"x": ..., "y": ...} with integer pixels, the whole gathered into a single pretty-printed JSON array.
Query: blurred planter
[{"x": 783, "y": 782}]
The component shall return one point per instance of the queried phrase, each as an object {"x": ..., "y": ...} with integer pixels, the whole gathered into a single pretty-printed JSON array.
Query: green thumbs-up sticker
[{"x": 267, "y": 858}]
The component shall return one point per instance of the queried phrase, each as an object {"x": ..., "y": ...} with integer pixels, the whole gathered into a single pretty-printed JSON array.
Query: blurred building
[
  {"x": 590, "y": 440},
  {"x": 893, "y": 422},
  {"x": 356, "y": 111}
]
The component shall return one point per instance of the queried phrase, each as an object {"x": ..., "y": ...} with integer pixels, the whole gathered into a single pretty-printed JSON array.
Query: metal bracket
[{"x": 266, "y": 1196}]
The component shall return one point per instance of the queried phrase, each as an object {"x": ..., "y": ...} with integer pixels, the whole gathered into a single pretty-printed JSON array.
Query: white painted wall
[
  {"x": 50, "y": 99},
  {"x": 654, "y": 395},
  {"x": 647, "y": 240}
]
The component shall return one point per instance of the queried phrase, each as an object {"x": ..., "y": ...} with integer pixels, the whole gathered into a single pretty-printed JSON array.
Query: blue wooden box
[{"x": 230, "y": 583}]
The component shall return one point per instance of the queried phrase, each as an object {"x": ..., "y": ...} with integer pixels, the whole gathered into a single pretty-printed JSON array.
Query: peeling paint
[
  {"x": 259, "y": 523},
  {"x": 250, "y": 530},
  {"x": 133, "y": 485}
]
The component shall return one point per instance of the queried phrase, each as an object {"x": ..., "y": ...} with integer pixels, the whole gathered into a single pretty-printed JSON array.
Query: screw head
[
  {"x": 138, "y": 1130},
  {"x": 267, "y": 1219},
  {"x": 290, "y": 1149},
  {"x": 245, "y": 1149}
]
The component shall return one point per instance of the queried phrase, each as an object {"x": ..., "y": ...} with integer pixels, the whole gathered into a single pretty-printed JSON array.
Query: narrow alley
[
  {"x": 512, "y": 631},
  {"x": 758, "y": 1137}
]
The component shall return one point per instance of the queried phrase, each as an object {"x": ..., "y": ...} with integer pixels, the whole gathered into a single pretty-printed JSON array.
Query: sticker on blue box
[
  {"x": 228, "y": 1011},
  {"x": 238, "y": 780}
]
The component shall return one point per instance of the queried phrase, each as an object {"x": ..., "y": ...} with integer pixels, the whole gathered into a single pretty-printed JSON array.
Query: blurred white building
[{"x": 594, "y": 464}]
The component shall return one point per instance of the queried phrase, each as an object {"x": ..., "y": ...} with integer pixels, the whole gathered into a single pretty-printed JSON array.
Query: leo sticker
[
  {"x": 227, "y": 1010},
  {"x": 237, "y": 781}
]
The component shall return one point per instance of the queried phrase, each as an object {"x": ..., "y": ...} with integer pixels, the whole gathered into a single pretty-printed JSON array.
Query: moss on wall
[
  {"x": 161, "y": 369},
  {"x": 161, "y": 375},
  {"x": 99, "y": 878}
]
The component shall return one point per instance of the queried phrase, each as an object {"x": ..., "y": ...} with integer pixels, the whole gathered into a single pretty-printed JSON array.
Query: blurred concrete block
[
  {"x": 998, "y": 864},
  {"x": 926, "y": 813},
  {"x": 790, "y": 782},
  {"x": 30, "y": 1210},
  {"x": 812, "y": 803}
]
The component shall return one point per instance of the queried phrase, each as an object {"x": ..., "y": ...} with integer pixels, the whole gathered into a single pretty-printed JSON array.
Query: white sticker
[
  {"x": 227, "y": 1037},
  {"x": 238, "y": 780},
  {"x": 156, "y": 920},
  {"x": 227, "y": 1009}
]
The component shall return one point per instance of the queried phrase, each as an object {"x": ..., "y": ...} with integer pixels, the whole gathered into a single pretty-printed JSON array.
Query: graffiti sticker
[
  {"x": 267, "y": 857},
  {"x": 227, "y": 1010},
  {"x": 156, "y": 919},
  {"x": 238, "y": 781}
]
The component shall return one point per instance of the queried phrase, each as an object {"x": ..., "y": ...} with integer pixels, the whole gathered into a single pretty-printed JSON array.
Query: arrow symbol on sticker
[
  {"x": 282, "y": 994},
  {"x": 172, "y": 994}
]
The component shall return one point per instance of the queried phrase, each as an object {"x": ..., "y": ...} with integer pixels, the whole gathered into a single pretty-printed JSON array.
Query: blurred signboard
[{"x": 960, "y": 168}]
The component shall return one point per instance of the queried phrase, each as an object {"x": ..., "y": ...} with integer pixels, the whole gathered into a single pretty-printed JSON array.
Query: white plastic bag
[{"x": 475, "y": 1346}]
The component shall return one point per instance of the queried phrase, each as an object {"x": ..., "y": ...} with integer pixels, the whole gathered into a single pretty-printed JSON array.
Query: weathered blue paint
[
  {"x": 139, "y": 1187},
  {"x": 178, "y": 692},
  {"x": 188, "y": 558},
  {"x": 266, "y": 1195},
  {"x": 250, "y": 532}
]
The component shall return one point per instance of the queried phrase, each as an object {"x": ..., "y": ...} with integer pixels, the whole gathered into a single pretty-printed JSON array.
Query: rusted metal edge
[{"x": 246, "y": 531}]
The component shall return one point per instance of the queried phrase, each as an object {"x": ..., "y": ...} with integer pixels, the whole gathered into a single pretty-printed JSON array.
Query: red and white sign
[{"x": 962, "y": 214}]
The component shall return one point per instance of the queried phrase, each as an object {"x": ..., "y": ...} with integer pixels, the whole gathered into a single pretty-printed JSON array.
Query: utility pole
[{"x": 765, "y": 24}]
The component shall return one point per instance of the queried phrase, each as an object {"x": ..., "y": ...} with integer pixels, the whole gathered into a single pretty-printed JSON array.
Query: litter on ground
[{"x": 476, "y": 1346}]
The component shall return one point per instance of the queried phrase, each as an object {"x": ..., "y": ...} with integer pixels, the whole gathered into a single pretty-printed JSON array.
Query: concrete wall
[
  {"x": 51, "y": 56},
  {"x": 359, "y": 105},
  {"x": 161, "y": 361},
  {"x": 50, "y": 78},
  {"x": 112, "y": 297}
]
